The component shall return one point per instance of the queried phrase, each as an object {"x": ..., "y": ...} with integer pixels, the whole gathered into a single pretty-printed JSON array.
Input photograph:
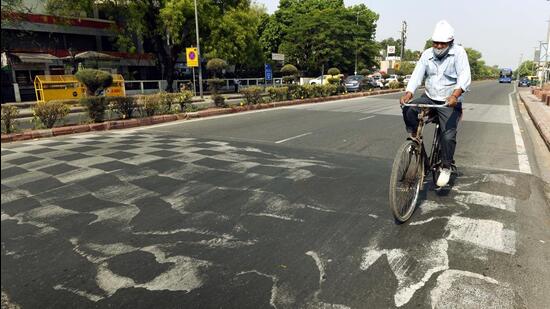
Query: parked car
[
  {"x": 353, "y": 82},
  {"x": 407, "y": 79},
  {"x": 378, "y": 80},
  {"x": 392, "y": 78},
  {"x": 524, "y": 82},
  {"x": 317, "y": 81},
  {"x": 370, "y": 82}
]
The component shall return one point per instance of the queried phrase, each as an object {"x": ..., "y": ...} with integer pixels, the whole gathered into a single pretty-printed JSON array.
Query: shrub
[
  {"x": 216, "y": 65},
  {"x": 165, "y": 100},
  {"x": 395, "y": 85},
  {"x": 215, "y": 84},
  {"x": 364, "y": 72},
  {"x": 50, "y": 112},
  {"x": 219, "y": 100},
  {"x": 289, "y": 70},
  {"x": 94, "y": 80},
  {"x": 182, "y": 98},
  {"x": 365, "y": 85},
  {"x": 278, "y": 93},
  {"x": 125, "y": 106},
  {"x": 328, "y": 90},
  {"x": 9, "y": 113},
  {"x": 288, "y": 79},
  {"x": 95, "y": 106},
  {"x": 333, "y": 71},
  {"x": 252, "y": 95},
  {"x": 334, "y": 80},
  {"x": 149, "y": 105},
  {"x": 294, "y": 91}
]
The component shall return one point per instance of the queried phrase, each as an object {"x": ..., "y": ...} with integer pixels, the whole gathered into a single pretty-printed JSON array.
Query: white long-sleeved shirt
[{"x": 442, "y": 76}]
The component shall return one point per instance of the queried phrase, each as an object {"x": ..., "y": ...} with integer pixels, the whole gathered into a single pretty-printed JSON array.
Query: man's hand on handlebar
[
  {"x": 406, "y": 98},
  {"x": 451, "y": 101}
]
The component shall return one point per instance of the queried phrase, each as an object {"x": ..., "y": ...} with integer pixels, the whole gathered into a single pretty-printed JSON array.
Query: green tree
[
  {"x": 315, "y": 32},
  {"x": 526, "y": 68},
  {"x": 168, "y": 25}
]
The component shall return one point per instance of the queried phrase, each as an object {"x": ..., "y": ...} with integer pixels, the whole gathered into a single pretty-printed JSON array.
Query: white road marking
[
  {"x": 523, "y": 159},
  {"x": 487, "y": 234},
  {"x": 369, "y": 117},
  {"x": 486, "y": 199},
  {"x": 291, "y": 138}
]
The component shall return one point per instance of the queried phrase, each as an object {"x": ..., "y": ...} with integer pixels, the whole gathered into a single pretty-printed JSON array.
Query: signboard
[
  {"x": 268, "y": 72},
  {"x": 278, "y": 57},
  {"x": 192, "y": 57},
  {"x": 391, "y": 50}
]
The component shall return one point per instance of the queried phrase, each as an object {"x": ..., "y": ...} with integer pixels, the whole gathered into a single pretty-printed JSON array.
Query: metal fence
[{"x": 152, "y": 86}]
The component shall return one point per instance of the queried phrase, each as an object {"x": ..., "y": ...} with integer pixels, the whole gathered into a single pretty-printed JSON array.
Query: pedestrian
[
  {"x": 236, "y": 84},
  {"x": 447, "y": 71}
]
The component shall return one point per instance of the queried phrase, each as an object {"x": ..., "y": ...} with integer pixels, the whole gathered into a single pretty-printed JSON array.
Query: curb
[
  {"x": 137, "y": 122},
  {"x": 542, "y": 126}
]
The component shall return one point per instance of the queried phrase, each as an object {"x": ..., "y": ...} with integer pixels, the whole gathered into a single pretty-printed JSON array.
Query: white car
[
  {"x": 407, "y": 79},
  {"x": 392, "y": 78}
]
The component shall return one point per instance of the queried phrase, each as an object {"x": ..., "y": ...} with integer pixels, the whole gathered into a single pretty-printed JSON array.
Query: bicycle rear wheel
[{"x": 406, "y": 180}]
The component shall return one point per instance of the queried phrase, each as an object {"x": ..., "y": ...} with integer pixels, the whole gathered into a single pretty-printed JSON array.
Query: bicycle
[{"x": 412, "y": 164}]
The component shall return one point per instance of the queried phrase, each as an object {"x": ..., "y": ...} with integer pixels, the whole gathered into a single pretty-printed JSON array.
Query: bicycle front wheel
[{"x": 406, "y": 180}]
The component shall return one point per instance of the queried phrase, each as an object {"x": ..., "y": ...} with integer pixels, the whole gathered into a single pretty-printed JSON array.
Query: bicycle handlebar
[{"x": 427, "y": 105}]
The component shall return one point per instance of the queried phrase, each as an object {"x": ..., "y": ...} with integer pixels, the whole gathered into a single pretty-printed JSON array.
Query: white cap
[{"x": 443, "y": 32}]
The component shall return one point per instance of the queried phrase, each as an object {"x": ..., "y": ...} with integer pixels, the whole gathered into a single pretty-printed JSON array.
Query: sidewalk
[{"x": 539, "y": 112}]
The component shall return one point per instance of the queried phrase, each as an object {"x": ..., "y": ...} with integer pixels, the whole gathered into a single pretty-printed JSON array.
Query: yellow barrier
[{"x": 66, "y": 87}]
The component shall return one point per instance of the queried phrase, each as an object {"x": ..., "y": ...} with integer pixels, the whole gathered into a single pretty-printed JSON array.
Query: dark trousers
[{"x": 448, "y": 121}]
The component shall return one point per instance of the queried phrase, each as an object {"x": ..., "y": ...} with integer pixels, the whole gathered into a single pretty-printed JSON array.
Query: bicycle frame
[{"x": 429, "y": 162}]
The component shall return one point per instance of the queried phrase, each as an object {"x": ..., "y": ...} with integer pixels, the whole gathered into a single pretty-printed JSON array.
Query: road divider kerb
[
  {"x": 537, "y": 115},
  {"x": 137, "y": 122}
]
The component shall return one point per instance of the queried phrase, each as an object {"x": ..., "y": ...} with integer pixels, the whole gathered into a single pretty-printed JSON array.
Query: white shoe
[{"x": 444, "y": 176}]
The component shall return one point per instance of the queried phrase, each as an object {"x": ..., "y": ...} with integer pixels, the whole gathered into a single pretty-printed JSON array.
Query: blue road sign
[{"x": 268, "y": 72}]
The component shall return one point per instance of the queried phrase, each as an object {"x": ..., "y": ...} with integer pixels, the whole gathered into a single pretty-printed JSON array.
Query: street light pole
[
  {"x": 198, "y": 48},
  {"x": 357, "y": 24}
]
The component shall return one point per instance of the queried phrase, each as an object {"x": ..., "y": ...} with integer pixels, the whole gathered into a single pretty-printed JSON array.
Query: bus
[{"x": 505, "y": 76}]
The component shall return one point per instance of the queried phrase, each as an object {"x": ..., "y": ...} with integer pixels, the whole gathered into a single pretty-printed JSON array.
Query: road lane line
[
  {"x": 291, "y": 138},
  {"x": 523, "y": 159},
  {"x": 369, "y": 117}
]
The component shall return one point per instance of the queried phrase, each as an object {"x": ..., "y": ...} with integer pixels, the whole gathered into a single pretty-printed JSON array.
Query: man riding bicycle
[{"x": 447, "y": 73}]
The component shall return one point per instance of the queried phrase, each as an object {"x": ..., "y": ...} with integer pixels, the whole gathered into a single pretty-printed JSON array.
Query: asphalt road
[{"x": 282, "y": 208}]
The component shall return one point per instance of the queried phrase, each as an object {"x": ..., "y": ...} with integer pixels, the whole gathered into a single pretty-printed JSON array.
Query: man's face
[{"x": 440, "y": 45}]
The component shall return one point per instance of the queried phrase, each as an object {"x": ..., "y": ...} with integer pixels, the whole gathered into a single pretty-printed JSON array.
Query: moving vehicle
[
  {"x": 505, "y": 75},
  {"x": 412, "y": 163}
]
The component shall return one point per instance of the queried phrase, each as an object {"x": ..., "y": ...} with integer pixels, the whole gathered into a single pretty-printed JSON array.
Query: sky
[{"x": 502, "y": 30}]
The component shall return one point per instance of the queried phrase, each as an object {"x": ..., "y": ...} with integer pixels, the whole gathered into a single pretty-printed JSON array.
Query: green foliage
[
  {"x": 94, "y": 80},
  {"x": 527, "y": 68},
  {"x": 219, "y": 100},
  {"x": 364, "y": 72},
  {"x": 395, "y": 85},
  {"x": 334, "y": 80},
  {"x": 50, "y": 112},
  {"x": 407, "y": 67},
  {"x": 182, "y": 98},
  {"x": 234, "y": 36},
  {"x": 333, "y": 71},
  {"x": 125, "y": 106},
  {"x": 289, "y": 79},
  {"x": 95, "y": 106},
  {"x": 289, "y": 70},
  {"x": 314, "y": 32},
  {"x": 216, "y": 66},
  {"x": 252, "y": 95},
  {"x": 9, "y": 113},
  {"x": 294, "y": 91},
  {"x": 149, "y": 105},
  {"x": 278, "y": 93},
  {"x": 215, "y": 84}
]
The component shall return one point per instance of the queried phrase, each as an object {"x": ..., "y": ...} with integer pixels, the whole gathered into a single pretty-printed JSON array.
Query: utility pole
[
  {"x": 403, "y": 38},
  {"x": 357, "y": 25},
  {"x": 198, "y": 49}
]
